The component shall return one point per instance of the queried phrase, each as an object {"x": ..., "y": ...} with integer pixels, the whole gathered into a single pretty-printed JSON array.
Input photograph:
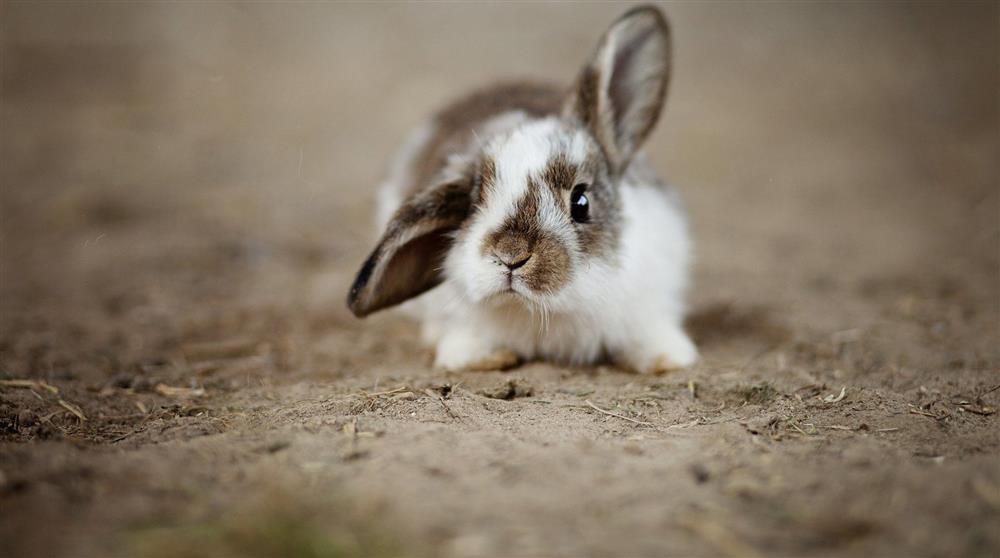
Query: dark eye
[{"x": 579, "y": 205}]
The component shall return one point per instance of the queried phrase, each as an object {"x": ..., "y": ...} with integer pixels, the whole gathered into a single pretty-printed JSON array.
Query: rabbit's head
[{"x": 534, "y": 214}]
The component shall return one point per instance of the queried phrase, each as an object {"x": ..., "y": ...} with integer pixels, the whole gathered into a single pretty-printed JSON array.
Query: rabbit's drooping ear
[
  {"x": 411, "y": 253},
  {"x": 620, "y": 92}
]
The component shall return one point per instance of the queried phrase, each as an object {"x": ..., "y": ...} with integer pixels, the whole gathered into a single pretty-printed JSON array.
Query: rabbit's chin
[{"x": 515, "y": 295}]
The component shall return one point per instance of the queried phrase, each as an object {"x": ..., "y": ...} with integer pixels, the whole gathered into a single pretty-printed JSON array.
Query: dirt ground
[{"x": 187, "y": 191}]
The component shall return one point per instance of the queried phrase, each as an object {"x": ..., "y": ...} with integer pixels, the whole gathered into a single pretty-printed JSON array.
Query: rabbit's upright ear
[
  {"x": 620, "y": 92},
  {"x": 408, "y": 259}
]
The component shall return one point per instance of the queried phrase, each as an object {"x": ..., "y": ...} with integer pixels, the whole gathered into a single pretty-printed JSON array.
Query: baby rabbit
[{"x": 538, "y": 230}]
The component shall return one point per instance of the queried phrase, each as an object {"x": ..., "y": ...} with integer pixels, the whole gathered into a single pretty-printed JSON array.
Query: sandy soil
[{"x": 186, "y": 193}]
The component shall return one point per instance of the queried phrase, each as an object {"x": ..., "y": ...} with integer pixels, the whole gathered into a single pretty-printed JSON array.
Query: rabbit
[{"x": 532, "y": 226}]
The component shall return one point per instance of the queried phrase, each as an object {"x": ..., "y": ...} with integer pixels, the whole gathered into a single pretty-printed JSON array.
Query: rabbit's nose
[
  {"x": 513, "y": 251},
  {"x": 513, "y": 263},
  {"x": 513, "y": 259}
]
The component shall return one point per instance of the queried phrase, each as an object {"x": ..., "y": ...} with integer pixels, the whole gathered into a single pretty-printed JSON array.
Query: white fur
[
  {"x": 525, "y": 152},
  {"x": 629, "y": 306}
]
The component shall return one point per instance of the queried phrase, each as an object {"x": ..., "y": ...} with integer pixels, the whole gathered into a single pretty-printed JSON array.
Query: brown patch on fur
[
  {"x": 511, "y": 247},
  {"x": 446, "y": 202},
  {"x": 519, "y": 232},
  {"x": 549, "y": 267},
  {"x": 583, "y": 105},
  {"x": 454, "y": 124},
  {"x": 520, "y": 237},
  {"x": 598, "y": 237},
  {"x": 560, "y": 174},
  {"x": 486, "y": 180}
]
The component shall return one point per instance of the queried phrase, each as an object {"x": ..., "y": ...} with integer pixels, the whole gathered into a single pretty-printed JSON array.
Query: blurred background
[
  {"x": 186, "y": 192},
  {"x": 166, "y": 152}
]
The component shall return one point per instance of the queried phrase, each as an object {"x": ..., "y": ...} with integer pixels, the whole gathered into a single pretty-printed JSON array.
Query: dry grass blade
[
  {"x": 73, "y": 409},
  {"x": 836, "y": 398},
  {"x": 610, "y": 414},
  {"x": 171, "y": 391},
  {"x": 29, "y": 384},
  {"x": 799, "y": 429}
]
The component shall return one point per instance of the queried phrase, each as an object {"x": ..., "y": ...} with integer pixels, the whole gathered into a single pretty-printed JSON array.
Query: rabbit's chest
[{"x": 565, "y": 338}]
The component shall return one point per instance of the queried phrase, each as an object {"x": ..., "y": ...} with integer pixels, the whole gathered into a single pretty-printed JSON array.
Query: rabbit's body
[{"x": 537, "y": 231}]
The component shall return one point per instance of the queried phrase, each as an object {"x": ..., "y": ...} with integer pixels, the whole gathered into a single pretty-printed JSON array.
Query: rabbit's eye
[{"x": 579, "y": 205}]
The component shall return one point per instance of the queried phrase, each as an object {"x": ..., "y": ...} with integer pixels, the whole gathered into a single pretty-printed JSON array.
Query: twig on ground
[
  {"x": 609, "y": 413},
  {"x": 915, "y": 411},
  {"x": 127, "y": 435},
  {"x": 985, "y": 411},
  {"x": 440, "y": 400}
]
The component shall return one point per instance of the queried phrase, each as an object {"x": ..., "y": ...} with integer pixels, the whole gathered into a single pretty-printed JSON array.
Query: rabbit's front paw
[
  {"x": 666, "y": 349},
  {"x": 460, "y": 351}
]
